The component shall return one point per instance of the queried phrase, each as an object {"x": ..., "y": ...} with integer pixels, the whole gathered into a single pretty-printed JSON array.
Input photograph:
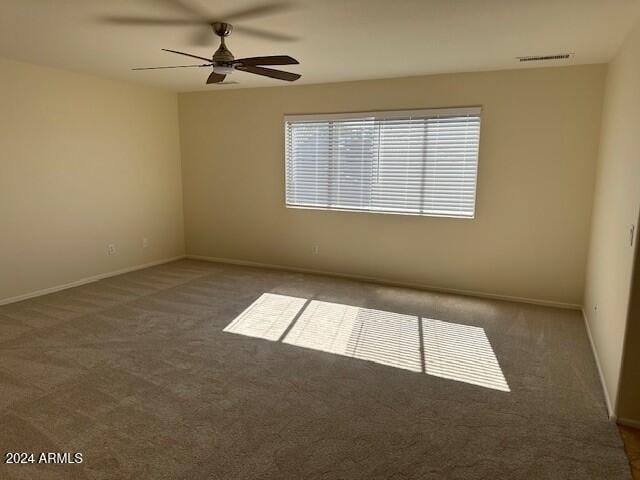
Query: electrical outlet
[
  {"x": 315, "y": 249},
  {"x": 145, "y": 242},
  {"x": 111, "y": 249}
]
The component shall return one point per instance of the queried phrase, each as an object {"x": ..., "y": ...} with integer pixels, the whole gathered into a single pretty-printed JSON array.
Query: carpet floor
[{"x": 195, "y": 370}]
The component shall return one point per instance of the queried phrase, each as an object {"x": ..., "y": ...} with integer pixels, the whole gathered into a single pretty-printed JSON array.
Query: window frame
[{"x": 384, "y": 114}]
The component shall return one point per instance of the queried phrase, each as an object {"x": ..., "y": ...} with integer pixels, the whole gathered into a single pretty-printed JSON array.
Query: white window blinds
[{"x": 421, "y": 162}]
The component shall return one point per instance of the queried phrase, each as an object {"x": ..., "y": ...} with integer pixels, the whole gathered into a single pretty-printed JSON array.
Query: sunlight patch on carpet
[
  {"x": 423, "y": 345},
  {"x": 268, "y": 317}
]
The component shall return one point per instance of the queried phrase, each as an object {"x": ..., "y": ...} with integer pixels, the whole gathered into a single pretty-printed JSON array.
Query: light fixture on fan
[{"x": 223, "y": 69}]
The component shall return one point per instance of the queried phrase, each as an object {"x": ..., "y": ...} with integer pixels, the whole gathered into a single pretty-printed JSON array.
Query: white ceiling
[{"x": 337, "y": 40}]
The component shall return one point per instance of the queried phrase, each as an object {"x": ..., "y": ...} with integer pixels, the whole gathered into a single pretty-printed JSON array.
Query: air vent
[{"x": 541, "y": 58}]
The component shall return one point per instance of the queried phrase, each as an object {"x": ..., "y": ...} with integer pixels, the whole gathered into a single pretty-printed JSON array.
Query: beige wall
[
  {"x": 84, "y": 162},
  {"x": 617, "y": 199},
  {"x": 540, "y": 130}
]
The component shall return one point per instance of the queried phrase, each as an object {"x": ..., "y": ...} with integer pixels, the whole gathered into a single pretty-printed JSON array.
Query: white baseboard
[
  {"x": 84, "y": 281},
  {"x": 383, "y": 281},
  {"x": 628, "y": 422},
  {"x": 607, "y": 399}
]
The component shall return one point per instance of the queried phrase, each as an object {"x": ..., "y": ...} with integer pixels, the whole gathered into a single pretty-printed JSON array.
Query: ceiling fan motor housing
[{"x": 223, "y": 55}]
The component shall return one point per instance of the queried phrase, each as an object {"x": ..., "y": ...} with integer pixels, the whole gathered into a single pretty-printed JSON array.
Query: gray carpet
[{"x": 137, "y": 374}]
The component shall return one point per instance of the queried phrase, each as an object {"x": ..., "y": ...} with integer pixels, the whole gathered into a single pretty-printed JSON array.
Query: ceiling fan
[{"x": 224, "y": 63}]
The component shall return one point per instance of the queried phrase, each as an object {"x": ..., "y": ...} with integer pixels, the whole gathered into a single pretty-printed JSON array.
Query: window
[{"x": 418, "y": 162}]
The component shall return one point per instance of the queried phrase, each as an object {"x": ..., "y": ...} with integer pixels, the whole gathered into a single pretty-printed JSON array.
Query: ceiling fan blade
[
  {"x": 186, "y": 7},
  {"x": 256, "y": 11},
  {"x": 260, "y": 33},
  {"x": 270, "y": 72},
  {"x": 268, "y": 60},
  {"x": 171, "y": 66},
  {"x": 215, "y": 78},
  {"x": 187, "y": 55},
  {"x": 159, "y": 22}
]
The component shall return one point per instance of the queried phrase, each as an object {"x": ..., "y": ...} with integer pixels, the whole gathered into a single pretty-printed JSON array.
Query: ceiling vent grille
[{"x": 540, "y": 58}]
